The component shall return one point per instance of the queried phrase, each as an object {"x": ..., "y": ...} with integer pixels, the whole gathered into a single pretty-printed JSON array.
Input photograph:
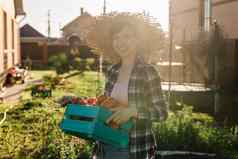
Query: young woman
[{"x": 132, "y": 81}]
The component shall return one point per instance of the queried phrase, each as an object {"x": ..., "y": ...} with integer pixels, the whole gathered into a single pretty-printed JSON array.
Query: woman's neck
[{"x": 128, "y": 61}]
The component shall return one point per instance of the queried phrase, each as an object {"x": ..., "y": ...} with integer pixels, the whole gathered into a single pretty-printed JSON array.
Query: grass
[
  {"x": 83, "y": 84},
  {"x": 38, "y": 74}
]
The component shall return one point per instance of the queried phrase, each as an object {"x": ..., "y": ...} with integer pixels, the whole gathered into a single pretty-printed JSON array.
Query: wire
[
  {"x": 5, "y": 115},
  {"x": 4, "y": 118}
]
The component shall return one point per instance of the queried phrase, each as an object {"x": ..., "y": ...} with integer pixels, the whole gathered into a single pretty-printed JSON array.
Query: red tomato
[
  {"x": 91, "y": 101},
  {"x": 83, "y": 102}
]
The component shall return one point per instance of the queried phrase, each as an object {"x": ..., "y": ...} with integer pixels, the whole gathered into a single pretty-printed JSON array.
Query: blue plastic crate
[{"x": 88, "y": 122}]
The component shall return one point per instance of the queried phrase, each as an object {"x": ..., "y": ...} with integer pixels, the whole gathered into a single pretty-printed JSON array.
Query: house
[
  {"x": 33, "y": 45},
  {"x": 79, "y": 26},
  {"x": 10, "y": 10},
  {"x": 38, "y": 47},
  {"x": 76, "y": 30},
  {"x": 191, "y": 20},
  {"x": 194, "y": 23}
]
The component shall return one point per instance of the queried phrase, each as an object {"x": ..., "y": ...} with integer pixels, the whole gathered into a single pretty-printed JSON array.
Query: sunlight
[{"x": 67, "y": 10}]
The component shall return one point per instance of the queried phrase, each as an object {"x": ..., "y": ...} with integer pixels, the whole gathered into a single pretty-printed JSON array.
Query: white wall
[{"x": 8, "y": 6}]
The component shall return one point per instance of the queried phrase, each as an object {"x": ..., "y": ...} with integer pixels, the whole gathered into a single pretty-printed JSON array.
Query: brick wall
[
  {"x": 186, "y": 21},
  {"x": 226, "y": 16}
]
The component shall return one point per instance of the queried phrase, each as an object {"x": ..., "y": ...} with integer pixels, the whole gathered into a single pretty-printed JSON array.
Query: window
[
  {"x": 207, "y": 15},
  {"x": 5, "y": 30}
]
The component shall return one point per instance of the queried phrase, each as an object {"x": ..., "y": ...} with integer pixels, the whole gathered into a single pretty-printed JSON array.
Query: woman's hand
[
  {"x": 122, "y": 115},
  {"x": 109, "y": 103}
]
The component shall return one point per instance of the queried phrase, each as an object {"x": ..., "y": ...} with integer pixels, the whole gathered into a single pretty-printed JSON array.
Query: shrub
[
  {"x": 188, "y": 131},
  {"x": 31, "y": 131},
  {"x": 59, "y": 63}
]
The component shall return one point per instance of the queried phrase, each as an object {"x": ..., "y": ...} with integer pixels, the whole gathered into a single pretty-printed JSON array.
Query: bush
[
  {"x": 62, "y": 64},
  {"x": 59, "y": 63},
  {"x": 53, "y": 81},
  {"x": 188, "y": 131},
  {"x": 31, "y": 131}
]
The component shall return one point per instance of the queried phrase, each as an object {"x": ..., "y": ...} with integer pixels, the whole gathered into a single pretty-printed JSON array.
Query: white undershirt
[
  {"x": 120, "y": 89},
  {"x": 120, "y": 92}
]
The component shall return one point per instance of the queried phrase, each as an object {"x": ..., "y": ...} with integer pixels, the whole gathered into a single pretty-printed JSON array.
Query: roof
[
  {"x": 28, "y": 31},
  {"x": 85, "y": 14}
]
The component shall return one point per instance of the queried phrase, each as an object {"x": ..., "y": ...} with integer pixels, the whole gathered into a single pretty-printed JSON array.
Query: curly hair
[{"x": 106, "y": 27}]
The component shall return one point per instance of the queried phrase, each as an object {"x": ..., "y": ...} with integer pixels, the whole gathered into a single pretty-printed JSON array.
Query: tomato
[
  {"x": 113, "y": 125},
  {"x": 92, "y": 101},
  {"x": 83, "y": 102}
]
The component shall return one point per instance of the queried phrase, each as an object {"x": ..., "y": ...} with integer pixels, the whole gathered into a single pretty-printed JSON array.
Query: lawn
[{"x": 38, "y": 74}]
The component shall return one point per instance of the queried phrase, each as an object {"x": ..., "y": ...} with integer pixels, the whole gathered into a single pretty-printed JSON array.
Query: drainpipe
[
  {"x": 170, "y": 51},
  {"x": 216, "y": 71}
]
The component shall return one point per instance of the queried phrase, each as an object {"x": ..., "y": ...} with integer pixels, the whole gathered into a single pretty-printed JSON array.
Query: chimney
[
  {"x": 81, "y": 11},
  {"x": 18, "y": 4}
]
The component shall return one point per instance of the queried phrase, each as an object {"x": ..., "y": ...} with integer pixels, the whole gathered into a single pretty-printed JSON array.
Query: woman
[{"x": 131, "y": 81}]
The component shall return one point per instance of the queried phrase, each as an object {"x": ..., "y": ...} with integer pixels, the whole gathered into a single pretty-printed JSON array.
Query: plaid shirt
[{"x": 144, "y": 93}]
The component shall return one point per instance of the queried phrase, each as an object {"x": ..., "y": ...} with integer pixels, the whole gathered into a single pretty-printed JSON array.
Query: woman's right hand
[{"x": 110, "y": 103}]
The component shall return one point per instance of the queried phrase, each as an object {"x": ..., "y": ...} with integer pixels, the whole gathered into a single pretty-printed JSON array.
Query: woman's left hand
[{"x": 122, "y": 115}]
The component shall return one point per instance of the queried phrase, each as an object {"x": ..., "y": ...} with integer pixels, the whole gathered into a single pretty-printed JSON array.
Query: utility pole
[
  {"x": 104, "y": 8},
  {"x": 101, "y": 56},
  {"x": 49, "y": 24},
  {"x": 170, "y": 50}
]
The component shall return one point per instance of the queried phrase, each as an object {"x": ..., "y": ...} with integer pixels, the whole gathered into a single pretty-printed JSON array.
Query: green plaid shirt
[{"x": 144, "y": 93}]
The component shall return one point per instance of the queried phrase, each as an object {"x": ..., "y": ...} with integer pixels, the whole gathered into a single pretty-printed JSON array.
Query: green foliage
[
  {"x": 31, "y": 130},
  {"x": 31, "y": 127},
  {"x": 186, "y": 130},
  {"x": 53, "y": 81},
  {"x": 62, "y": 65},
  {"x": 59, "y": 63}
]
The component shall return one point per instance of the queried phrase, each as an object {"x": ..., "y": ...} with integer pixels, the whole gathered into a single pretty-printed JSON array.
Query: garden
[{"x": 31, "y": 128}]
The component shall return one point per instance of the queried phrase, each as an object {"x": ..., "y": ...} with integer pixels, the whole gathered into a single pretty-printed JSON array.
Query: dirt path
[{"x": 12, "y": 94}]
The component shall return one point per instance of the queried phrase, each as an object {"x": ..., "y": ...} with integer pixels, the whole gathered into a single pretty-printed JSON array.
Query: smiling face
[{"x": 125, "y": 42}]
